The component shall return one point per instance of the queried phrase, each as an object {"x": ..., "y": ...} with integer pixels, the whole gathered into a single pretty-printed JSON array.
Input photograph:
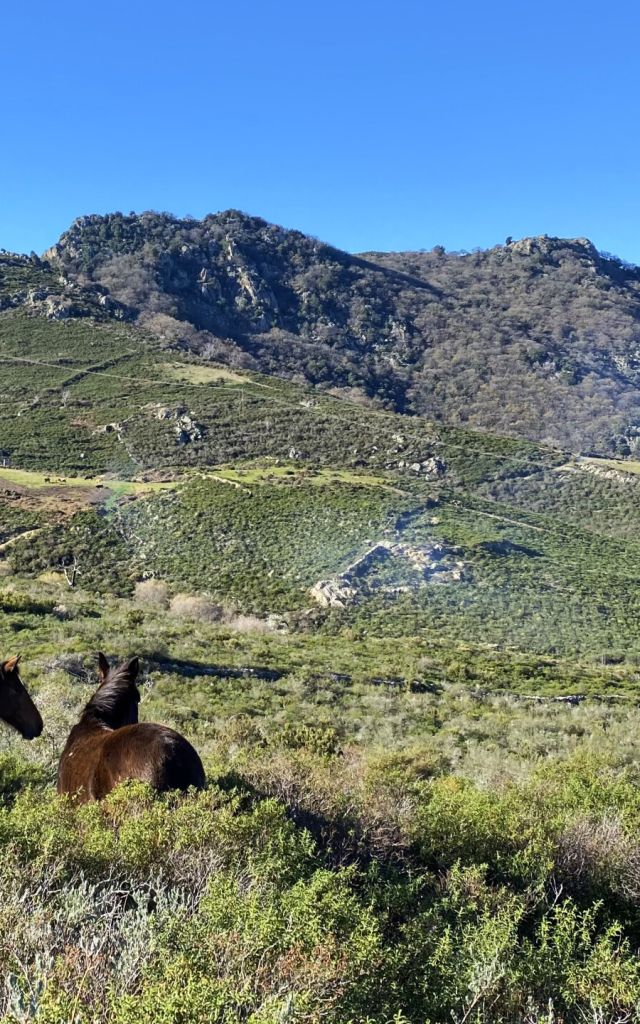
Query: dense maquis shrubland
[
  {"x": 538, "y": 338},
  {"x": 362, "y": 852},
  {"x": 407, "y": 650}
]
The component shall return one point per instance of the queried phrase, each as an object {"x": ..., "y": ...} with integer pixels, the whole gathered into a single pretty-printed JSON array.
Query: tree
[{"x": 71, "y": 569}]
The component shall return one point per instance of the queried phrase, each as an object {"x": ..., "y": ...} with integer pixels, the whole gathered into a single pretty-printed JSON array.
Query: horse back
[
  {"x": 97, "y": 759},
  {"x": 151, "y": 753}
]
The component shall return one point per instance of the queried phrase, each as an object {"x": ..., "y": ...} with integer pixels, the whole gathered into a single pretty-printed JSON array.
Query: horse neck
[
  {"x": 113, "y": 705},
  {"x": 7, "y": 698}
]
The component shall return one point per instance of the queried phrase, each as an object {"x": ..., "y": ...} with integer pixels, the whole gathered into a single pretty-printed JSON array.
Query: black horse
[{"x": 16, "y": 707}]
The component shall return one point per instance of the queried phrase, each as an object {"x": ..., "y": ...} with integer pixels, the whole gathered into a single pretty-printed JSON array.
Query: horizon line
[{"x": 509, "y": 240}]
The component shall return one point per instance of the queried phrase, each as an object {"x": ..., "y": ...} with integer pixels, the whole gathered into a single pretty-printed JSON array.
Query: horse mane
[{"x": 113, "y": 698}]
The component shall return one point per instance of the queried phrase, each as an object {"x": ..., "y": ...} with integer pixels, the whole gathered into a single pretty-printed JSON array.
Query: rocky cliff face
[{"x": 229, "y": 273}]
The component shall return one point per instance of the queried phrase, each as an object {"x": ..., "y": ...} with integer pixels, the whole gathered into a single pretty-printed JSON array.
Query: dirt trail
[
  {"x": 504, "y": 519},
  {"x": 19, "y": 536}
]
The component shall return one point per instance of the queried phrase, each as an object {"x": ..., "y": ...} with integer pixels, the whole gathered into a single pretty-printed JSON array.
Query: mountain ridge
[{"x": 538, "y": 338}]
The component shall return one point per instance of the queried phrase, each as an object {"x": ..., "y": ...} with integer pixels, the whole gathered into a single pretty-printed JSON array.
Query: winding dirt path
[{"x": 20, "y": 536}]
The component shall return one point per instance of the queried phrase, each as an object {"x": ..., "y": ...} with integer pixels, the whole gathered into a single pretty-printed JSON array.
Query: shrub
[
  {"x": 217, "y": 906},
  {"x": 193, "y": 606},
  {"x": 320, "y": 741},
  {"x": 152, "y": 594},
  {"x": 599, "y": 856},
  {"x": 246, "y": 623}
]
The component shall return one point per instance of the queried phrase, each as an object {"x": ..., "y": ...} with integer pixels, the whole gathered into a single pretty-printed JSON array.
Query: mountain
[
  {"x": 536, "y": 339},
  {"x": 407, "y": 650},
  {"x": 347, "y": 483}
]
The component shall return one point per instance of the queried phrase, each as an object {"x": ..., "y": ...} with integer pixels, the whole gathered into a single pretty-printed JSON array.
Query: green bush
[{"x": 217, "y": 907}]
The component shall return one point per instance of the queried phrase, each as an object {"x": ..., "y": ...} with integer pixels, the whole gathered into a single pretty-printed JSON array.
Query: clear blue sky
[{"x": 395, "y": 125}]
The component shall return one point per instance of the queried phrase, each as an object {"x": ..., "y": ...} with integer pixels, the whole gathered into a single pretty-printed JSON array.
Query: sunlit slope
[
  {"x": 393, "y": 562},
  {"x": 273, "y": 491},
  {"x": 94, "y": 398}
]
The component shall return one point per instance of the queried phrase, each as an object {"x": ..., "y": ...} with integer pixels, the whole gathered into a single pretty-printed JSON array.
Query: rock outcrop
[
  {"x": 186, "y": 428},
  {"x": 432, "y": 562}
]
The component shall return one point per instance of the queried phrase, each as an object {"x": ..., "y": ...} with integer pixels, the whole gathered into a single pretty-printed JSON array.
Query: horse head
[{"x": 16, "y": 707}]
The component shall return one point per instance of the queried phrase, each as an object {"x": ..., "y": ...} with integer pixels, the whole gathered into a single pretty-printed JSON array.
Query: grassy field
[
  {"x": 32, "y": 480},
  {"x": 261, "y": 474},
  {"x": 620, "y": 465},
  {"x": 196, "y": 373}
]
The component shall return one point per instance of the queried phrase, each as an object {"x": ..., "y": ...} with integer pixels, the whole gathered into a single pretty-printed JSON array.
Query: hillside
[
  {"x": 316, "y": 508},
  {"x": 537, "y": 338},
  {"x": 406, "y": 649},
  {"x": 313, "y": 509}
]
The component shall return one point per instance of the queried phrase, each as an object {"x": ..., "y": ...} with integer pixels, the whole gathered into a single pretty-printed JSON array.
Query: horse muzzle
[{"x": 30, "y": 732}]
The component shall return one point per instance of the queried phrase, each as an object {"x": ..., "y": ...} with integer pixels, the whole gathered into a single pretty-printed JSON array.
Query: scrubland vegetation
[
  {"x": 223, "y": 907},
  {"x": 422, "y": 803},
  {"x": 412, "y": 845},
  {"x": 532, "y": 581}
]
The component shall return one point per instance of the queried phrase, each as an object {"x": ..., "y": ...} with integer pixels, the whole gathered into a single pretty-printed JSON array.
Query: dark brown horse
[
  {"x": 16, "y": 707},
  {"x": 109, "y": 745}
]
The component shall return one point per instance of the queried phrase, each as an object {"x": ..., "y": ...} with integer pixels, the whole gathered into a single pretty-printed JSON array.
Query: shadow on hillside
[
  {"x": 342, "y": 840},
  {"x": 507, "y": 547},
  {"x": 82, "y": 668},
  {"x": 191, "y": 669},
  {"x": 399, "y": 276}
]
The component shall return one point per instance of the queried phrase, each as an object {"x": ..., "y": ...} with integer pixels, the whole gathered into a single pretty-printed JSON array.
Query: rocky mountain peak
[{"x": 539, "y": 337}]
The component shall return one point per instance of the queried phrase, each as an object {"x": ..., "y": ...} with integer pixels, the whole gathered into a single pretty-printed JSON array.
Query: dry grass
[
  {"x": 593, "y": 854},
  {"x": 195, "y": 607},
  {"x": 197, "y": 374},
  {"x": 246, "y": 623},
  {"x": 152, "y": 594}
]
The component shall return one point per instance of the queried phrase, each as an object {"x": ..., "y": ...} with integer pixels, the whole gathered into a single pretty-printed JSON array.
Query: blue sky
[{"x": 396, "y": 125}]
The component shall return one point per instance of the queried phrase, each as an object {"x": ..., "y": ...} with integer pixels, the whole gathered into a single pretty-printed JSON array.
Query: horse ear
[
  {"x": 133, "y": 667},
  {"x": 12, "y": 664},
  {"x": 103, "y": 665}
]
